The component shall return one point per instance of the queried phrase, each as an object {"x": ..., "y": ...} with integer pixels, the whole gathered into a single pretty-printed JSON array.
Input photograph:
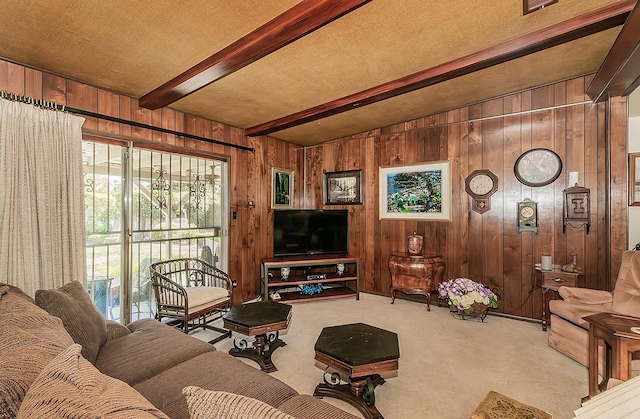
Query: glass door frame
[{"x": 127, "y": 173}]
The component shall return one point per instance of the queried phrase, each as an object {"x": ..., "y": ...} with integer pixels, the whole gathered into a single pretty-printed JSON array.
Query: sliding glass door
[
  {"x": 103, "y": 180},
  {"x": 144, "y": 206}
]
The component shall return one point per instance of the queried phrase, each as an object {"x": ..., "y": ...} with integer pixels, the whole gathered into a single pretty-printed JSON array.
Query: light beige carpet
[{"x": 446, "y": 367}]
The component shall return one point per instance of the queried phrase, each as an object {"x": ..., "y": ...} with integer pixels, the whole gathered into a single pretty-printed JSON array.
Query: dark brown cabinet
[{"x": 418, "y": 275}]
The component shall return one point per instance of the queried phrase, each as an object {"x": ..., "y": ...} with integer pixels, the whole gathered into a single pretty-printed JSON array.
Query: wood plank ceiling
[{"x": 314, "y": 70}]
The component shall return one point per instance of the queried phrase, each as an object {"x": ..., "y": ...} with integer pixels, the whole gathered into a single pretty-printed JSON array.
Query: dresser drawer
[{"x": 555, "y": 280}]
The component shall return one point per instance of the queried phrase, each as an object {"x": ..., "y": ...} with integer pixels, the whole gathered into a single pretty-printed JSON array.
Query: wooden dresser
[{"x": 419, "y": 275}]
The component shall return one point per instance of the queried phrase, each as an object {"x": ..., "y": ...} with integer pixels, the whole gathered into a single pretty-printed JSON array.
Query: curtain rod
[{"x": 54, "y": 106}]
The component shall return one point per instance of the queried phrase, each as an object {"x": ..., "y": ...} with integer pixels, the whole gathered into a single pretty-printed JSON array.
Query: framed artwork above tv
[
  {"x": 419, "y": 191},
  {"x": 281, "y": 188},
  {"x": 342, "y": 188}
]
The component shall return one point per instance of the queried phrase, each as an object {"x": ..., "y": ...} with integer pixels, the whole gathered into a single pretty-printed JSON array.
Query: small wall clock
[
  {"x": 481, "y": 184},
  {"x": 538, "y": 167},
  {"x": 527, "y": 216}
]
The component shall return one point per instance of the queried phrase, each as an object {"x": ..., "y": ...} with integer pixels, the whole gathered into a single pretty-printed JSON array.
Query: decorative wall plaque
[{"x": 577, "y": 208}]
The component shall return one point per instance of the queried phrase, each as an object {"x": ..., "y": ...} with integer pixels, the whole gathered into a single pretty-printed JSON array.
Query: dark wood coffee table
[
  {"x": 262, "y": 319},
  {"x": 361, "y": 352}
]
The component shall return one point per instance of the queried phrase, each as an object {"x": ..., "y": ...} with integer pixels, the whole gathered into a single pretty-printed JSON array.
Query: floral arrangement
[{"x": 463, "y": 293}]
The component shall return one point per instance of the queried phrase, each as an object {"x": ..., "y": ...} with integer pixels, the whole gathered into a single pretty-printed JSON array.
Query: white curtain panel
[{"x": 42, "y": 235}]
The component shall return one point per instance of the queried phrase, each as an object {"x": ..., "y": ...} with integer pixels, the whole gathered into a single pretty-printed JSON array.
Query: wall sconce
[{"x": 250, "y": 204}]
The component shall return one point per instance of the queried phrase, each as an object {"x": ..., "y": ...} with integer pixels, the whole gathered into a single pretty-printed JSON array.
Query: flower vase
[{"x": 414, "y": 244}]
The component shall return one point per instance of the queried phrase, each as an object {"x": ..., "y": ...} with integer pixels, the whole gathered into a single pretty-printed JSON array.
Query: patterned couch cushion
[
  {"x": 30, "y": 339},
  {"x": 80, "y": 316},
  {"x": 71, "y": 387},
  {"x": 205, "y": 404}
]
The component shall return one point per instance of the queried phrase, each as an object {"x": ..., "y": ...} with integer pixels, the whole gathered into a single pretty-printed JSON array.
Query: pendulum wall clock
[
  {"x": 481, "y": 184},
  {"x": 527, "y": 216}
]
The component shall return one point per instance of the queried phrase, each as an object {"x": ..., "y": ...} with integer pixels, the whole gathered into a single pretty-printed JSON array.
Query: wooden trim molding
[
  {"x": 300, "y": 20},
  {"x": 594, "y": 21},
  {"x": 619, "y": 75}
]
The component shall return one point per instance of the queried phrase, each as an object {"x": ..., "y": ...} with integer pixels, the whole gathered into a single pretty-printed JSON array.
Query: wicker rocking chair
[{"x": 193, "y": 293}]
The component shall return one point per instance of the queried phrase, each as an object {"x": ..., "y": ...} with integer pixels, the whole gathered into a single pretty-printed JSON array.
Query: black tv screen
[{"x": 310, "y": 232}]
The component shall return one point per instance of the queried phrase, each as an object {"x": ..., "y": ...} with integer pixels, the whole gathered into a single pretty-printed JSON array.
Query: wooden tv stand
[{"x": 336, "y": 286}]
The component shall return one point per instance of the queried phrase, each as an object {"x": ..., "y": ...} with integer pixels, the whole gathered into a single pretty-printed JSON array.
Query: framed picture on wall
[
  {"x": 343, "y": 188},
  {"x": 634, "y": 179},
  {"x": 416, "y": 192},
  {"x": 281, "y": 188}
]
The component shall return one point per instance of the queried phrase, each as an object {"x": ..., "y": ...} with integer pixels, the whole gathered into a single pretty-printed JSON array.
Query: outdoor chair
[
  {"x": 192, "y": 293},
  {"x": 142, "y": 289}
]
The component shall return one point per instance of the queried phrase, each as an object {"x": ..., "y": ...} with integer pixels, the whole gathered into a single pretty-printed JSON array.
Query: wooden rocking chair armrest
[{"x": 168, "y": 287}]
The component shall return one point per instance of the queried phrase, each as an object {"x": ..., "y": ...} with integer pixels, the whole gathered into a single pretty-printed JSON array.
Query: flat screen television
[{"x": 310, "y": 232}]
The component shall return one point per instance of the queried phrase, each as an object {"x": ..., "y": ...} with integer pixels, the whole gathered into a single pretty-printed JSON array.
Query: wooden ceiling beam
[
  {"x": 302, "y": 19},
  {"x": 619, "y": 74},
  {"x": 597, "y": 20}
]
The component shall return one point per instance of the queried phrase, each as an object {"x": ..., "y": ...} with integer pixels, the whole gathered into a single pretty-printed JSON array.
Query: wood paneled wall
[
  {"x": 250, "y": 172},
  {"x": 491, "y": 135},
  {"x": 591, "y": 139}
]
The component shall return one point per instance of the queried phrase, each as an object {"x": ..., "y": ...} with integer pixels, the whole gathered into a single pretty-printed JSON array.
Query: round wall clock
[
  {"x": 538, "y": 167},
  {"x": 481, "y": 184}
]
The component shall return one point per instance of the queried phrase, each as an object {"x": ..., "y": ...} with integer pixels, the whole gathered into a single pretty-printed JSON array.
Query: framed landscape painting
[
  {"x": 281, "y": 188},
  {"x": 342, "y": 188},
  {"x": 416, "y": 192}
]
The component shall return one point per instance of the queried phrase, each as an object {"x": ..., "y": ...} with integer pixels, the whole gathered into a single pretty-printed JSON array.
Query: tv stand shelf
[{"x": 336, "y": 286}]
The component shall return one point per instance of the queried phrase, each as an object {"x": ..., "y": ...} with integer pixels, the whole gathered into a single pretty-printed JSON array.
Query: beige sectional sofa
[{"x": 60, "y": 358}]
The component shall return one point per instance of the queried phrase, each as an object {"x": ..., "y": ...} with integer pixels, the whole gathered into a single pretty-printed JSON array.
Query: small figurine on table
[{"x": 573, "y": 265}]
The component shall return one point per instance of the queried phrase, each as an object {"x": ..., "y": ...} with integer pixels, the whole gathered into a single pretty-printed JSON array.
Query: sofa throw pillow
[
  {"x": 71, "y": 387},
  {"x": 80, "y": 316},
  {"x": 13, "y": 290},
  {"x": 4, "y": 289},
  {"x": 205, "y": 404},
  {"x": 30, "y": 339}
]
